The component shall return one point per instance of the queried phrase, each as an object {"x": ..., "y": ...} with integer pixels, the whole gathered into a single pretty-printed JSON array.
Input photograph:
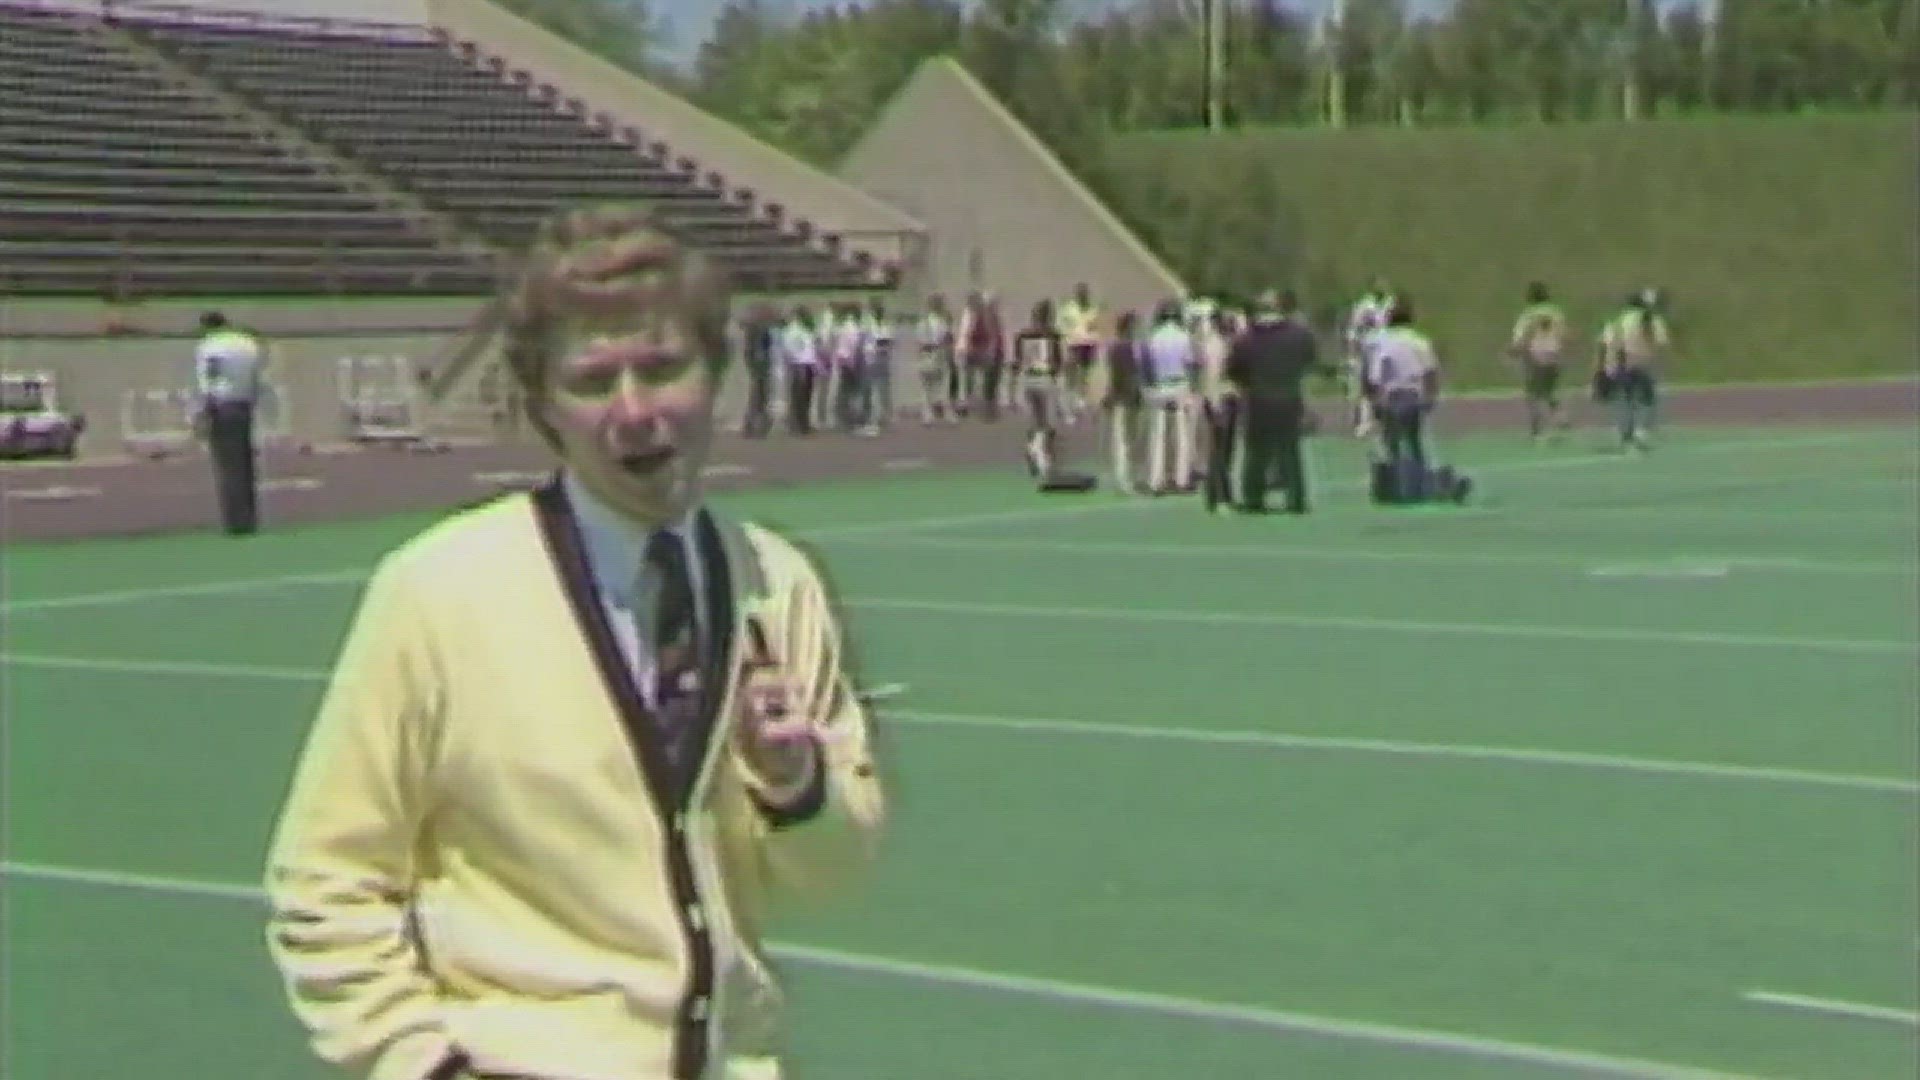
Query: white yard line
[
  {"x": 350, "y": 575},
  {"x": 1273, "y": 740},
  {"x": 1100, "y": 503},
  {"x": 1266, "y": 740},
  {"x": 168, "y": 592},
  {"x": 1416, "y": 1040},
  {"x": 1759, "y": 515},
  {"x": 1829, "y": 1007},
  {"x": 205, "y": 669},
  {"x": 1278, "y": 551},
  {"x": 1525, "y": 631}
]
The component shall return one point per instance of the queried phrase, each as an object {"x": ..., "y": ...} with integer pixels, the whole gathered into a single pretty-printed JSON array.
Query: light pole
[
  {"x": 1630, "y": 63},
  {"x": 1213, "y": 27},
  {"x": 1333, "y": 46}
]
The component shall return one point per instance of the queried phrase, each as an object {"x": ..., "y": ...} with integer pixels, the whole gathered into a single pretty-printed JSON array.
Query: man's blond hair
[{"x": 606, "y": 263}]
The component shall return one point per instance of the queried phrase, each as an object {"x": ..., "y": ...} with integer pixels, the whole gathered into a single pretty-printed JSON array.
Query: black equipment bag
[
  {"x": 1072, "y": 482},
  {"x": 1406, "y": 485}
]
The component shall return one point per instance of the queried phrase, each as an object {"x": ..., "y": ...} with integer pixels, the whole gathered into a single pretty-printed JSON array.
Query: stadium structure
[{"x": 353, "y": 177}]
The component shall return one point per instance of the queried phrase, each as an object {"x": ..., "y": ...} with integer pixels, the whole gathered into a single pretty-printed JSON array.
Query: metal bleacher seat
[
  {"x": 476, "y": 142},
  {"x": 114, "y": 178}
]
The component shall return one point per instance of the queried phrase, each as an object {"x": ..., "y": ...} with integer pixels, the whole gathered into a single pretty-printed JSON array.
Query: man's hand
[
  {"x": 782, "y": 748},
  {"x": 779, "y": 745}
]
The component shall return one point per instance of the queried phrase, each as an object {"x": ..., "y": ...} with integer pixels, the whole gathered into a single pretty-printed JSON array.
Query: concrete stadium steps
[
  {"x": 122, "y": 173},
  {"x": 486, "y": 148}
]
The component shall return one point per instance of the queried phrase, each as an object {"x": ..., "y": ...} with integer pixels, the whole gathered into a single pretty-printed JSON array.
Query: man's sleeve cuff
[{"x": 795, "y": 805}]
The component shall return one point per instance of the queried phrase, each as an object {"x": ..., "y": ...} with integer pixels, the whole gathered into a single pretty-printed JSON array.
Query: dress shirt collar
[{"x": 615, "y": 544}]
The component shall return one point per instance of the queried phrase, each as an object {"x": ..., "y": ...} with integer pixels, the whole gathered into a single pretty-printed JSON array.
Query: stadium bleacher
[
  {"x": 469, "y": 137},
  {"x": 118, "y": 176},
  {"x": 114, "y": 178}
]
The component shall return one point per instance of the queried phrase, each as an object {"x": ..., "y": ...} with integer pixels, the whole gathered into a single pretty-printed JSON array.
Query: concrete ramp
[{"x": 1004, "y": 212}]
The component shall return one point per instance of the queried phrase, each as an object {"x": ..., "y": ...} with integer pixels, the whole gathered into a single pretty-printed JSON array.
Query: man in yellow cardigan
[{"x": 580, "y": 742}]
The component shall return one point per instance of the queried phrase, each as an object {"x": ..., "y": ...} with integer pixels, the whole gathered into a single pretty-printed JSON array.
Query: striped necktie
[{"x": 671, "y": 628}]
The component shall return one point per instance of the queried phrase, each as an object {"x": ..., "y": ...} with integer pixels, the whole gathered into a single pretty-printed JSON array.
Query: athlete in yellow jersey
[
  {"x": 1633, "y": 346},
  {"x": 1079, "y": 328},
  {"x": 1538, "y": 345}
]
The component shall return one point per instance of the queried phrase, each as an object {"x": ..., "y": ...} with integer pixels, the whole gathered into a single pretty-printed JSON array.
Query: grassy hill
[{"x": 1788, "y": 245}]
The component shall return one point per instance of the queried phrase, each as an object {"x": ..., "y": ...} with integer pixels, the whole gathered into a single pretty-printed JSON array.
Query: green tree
[
  {"x": 1906, "y": 36},
  {"x": 734, "y": 72},
  {"x": 1680, "y": 70},
  {"x": 622, "y": 31},
  {"x": 813, "y": 85},
  {"x": 1269, "y": 65},
  {"x": 1760, "y": 55},
  {"x": 1856, "y": 54},
  {"x": 1371, "y": 39}
]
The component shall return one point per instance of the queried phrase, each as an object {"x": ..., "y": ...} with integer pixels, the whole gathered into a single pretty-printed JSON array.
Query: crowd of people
[
  {"x": 1173, "y": 396},
  {"x": 1172, "y": 406}
]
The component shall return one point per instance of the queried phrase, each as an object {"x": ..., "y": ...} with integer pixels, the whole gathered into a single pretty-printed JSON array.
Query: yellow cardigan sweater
[{"x": 480, "y": 868}]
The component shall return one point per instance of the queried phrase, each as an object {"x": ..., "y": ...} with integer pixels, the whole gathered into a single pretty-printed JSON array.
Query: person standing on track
[
  {"x": 1171, "y": 361},
  {"x": 1538, "y": 345},
  {"x": 940, "y": 385},
  {"x": 1364, "y": 323},
  {"x": 847, "y": 357},
  {"x": 1039, "y": 355},
  {"x": 1404, "y": 372},
  {"x": 1080, "y": 333},
  {"x": 581, "y": 742},
  {"x": 801, "y": 358},
  {"x": 877, "y": 336},
  {"x": 1219, "y": 407},
  {"x": 228, "y": 377},
  {"x": 1268, "y": 367},
  {"x": 1634, "y": 345},
  {"x": 1117, "y": 386},
  {"x": 758, "y": 332},
  {"x": 983, "y": 347}
]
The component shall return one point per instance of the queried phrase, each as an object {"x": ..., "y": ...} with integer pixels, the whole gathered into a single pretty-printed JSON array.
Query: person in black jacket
[
  {"x": 758, "y": 330},
  {"x": 1266, "y": 369},
  {"x": 1118, "y": 387}
]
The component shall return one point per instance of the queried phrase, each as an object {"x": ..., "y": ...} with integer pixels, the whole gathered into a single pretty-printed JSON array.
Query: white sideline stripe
[
  {"x": 187, "y": 668},
  {"x": 1270, "y": 740},
  {"x": 1830, "y": 1007},
  {"x": 1277, "y": 551},
  {"x": 1689, "y": 388},
  {"x": 1758, "y": 514},
  {"x": 1663, "y": 571},
  {"x": 1201, "y": 736},
  {"x": 349, "y": 575},
  {"x": 53, "y": 493},
  {"x": 327, "y": 577},
  {"x": 1534, "y": 631},
  {"x": 165, "y": 592},
  {"x": 1572, "y": 1062}
]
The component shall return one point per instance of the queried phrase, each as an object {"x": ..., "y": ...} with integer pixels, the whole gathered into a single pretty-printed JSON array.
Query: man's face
[{"x": 631, "y": 405}]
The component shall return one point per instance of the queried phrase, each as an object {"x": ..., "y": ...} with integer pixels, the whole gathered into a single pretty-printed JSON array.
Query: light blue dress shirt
[{"x": 616, "y": 547}]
